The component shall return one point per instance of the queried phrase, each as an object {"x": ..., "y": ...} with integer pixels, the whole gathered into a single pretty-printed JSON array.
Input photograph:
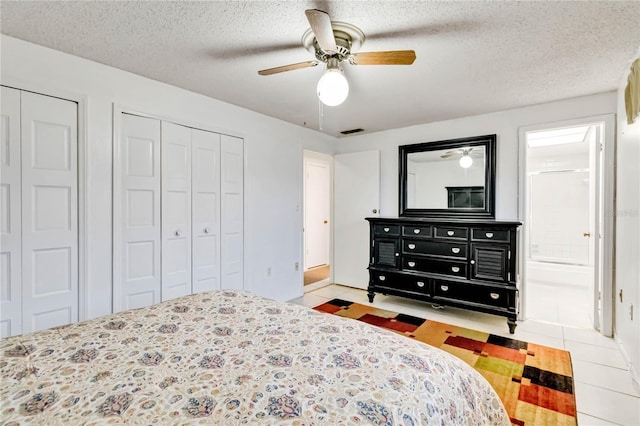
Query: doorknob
[
  {"x": 374, "y": 211},
  {"x": 586, "y": 234},
  {"x": 326, "y": 222}
]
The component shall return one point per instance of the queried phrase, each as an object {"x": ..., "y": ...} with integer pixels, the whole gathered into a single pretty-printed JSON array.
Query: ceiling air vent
[{"x": 352, "y": 131}]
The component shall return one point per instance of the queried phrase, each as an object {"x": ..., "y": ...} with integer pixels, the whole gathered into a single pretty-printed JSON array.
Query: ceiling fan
[
  {"x": 332, "y": 43},
  {"x": 456, "y": 152},
  {"x": 464, "y": 153}
]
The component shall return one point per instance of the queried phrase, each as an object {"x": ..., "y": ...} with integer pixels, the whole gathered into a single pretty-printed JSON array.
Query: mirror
[{"x": 452, "y": 178}]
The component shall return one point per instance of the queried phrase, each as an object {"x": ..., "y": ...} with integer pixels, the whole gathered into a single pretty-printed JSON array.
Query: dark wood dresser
[{"x": 463, "y": 263}]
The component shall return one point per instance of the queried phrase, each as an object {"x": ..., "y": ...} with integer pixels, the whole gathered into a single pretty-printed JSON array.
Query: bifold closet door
[
  {"x": 49, "y": 211},
  {"x": 232, "y": 190},
  {"x": 139, "y": 248},
  {"x": 205, "y": 172},
  {"x": 176, "y": 210},
  {"x": 11, "y": 222}
]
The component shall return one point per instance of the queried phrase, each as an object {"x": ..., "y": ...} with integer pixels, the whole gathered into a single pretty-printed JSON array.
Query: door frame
[
  {"x": 328, "y": 160},
  {"x": 83, "y": 160},
  {"x": 607, "y": 206},
  {"x": 315, "y": 158}
]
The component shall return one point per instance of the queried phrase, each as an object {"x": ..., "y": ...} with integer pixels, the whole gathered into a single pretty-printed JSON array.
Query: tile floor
[
  {"x": 547, "y": 302},
  {"x": 605, "y": 394}
]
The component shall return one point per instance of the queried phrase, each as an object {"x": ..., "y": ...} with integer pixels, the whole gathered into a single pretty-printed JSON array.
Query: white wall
[
  {"x": 504, "y": 124},
  {"x": 273, "y": 154},
  {"x": 627, "y": 266},
  {"x": 437, "y": 176}
]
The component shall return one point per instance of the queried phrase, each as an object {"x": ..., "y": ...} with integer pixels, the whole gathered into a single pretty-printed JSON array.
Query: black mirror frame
[{"x": 488, "y": 212}]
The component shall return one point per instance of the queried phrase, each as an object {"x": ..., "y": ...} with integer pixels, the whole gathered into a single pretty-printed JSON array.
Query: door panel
[
  {"x": 205, "y": 156},
  {"x": 10, "y": 215},
  {"x": 356, "y": 196},
  {"x": 50, "y": 205},
  {"x": 232, "y": 191},
  {"x": 176, "y": 211},
  {"x": 139, "y": 283}
]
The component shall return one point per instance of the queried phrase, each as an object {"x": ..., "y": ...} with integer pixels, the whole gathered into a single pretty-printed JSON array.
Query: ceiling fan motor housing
[{"x": 348, "y": 38}]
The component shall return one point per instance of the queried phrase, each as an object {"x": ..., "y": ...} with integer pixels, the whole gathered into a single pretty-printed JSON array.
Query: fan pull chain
[{"x": 320, "y": 114}]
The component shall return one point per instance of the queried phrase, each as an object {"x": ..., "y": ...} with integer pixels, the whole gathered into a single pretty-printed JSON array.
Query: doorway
[
  {"x": 317, "y": 212},
  {"x": 565, "y": 273}
]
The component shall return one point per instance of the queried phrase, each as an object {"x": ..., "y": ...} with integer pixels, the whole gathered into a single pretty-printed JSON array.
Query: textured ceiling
[{"x": 472, "y": 57}]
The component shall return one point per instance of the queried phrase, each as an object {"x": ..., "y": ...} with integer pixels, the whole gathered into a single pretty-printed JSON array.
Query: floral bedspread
[{"x": 232, "y": 357}]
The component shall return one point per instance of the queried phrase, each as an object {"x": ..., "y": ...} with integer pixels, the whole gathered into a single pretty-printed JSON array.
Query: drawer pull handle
[
  {"x": 494, "y": 296},
  {"x": 411, "y": 264},
  {"x": 386, "y": 229},
  {"x": 473, "y": 262},
  {"x": 382, "y": 278},
  {"x": 444, "y": 287},
  {"x": 489, "y": 234},
  {"x": 416, "y": 231},
  {"x": 450, "y": 233},
  {"x": 420, "y": 284},
  {"x": 397, "y": 254},
  {"x": 411, "y": 246},
  {"x": 455, "y": 250},
  {"x": 455, "y": 269}
]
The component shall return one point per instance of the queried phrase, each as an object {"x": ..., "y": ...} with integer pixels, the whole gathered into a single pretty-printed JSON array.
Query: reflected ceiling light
[
  {"x": 557, "y": 136},
  {"x": 466, "y": 161},
  {"x": 333, "y": 87}
]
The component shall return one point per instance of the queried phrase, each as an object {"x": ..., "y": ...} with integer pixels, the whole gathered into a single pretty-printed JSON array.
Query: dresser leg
[
  {"x": 371, "y": 296},
  {"x": 512, "y": 325}
]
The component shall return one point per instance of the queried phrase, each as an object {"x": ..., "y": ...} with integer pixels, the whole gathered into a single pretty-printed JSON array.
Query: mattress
[{"x": 232, "y": 357}]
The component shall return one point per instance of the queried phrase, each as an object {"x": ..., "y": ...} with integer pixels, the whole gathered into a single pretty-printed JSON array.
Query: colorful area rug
[{"x": 534, "y": 382}]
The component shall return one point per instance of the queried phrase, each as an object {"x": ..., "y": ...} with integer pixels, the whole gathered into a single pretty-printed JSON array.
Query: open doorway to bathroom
[
  {"x": 566, "y": 185},
  {"x": 317, "y": 213}
]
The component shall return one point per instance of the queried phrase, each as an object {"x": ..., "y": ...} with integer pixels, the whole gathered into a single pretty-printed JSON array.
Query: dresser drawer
[
  {"x": 443, "y": 267},
  {"x": 400, "y": 282},
  {"x": 481, "y": 234},
  {"x": 382, "y": 229},
  {"x": 451, "y": 232},
  {"x": 416, "y": 231},
  {"x": 435, "y": 248},
  {"x": 490, "y": 296}
]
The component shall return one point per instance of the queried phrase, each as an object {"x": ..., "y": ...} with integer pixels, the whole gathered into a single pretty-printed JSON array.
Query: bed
[{"x": 232, "y": 357}]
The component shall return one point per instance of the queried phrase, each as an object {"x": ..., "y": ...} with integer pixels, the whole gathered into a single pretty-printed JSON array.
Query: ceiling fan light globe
[
  {"x": 332, "y": 88},
  {"x": 466, "y": 161}
]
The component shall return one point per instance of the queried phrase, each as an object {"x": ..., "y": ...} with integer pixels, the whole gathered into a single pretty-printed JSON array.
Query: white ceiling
[{"x": 473, "y": 57}]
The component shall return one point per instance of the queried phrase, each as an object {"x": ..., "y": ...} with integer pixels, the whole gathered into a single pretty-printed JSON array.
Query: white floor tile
[
  {"x": 589, "y": 336},
  {"x": 330, "y": 291},
  {"x": 314, "y": 286},
  {"x": 586, "y": 420},
  {"x": 604, "y": 404},
  {"x": 310, "y": 300},
  {"x": 595, "y": 354},
  {"x": 615, "y": 379},
  {"x": 540, "y": 327}
]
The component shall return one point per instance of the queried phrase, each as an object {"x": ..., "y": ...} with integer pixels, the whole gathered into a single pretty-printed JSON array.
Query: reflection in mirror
[
  {"x": 447, "y": 178},
  {"x": 452, "y": 178}
]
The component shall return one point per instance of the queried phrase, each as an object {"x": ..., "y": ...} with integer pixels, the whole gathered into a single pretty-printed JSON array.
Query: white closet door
[
  {"x": 139, "y": 249},
  {"x": 176, "y": 211},
  {"x": 232, "y": 190},
  {"x": 10, "y": 215},
  {"x": 49, "y": 212},
  {"x": 205, "y": 156}
]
